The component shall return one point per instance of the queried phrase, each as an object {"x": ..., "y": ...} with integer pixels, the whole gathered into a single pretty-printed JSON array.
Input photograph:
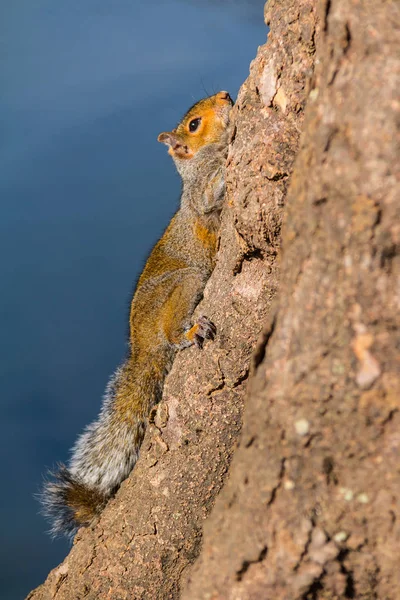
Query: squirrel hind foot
[{"x": 68, "y": 503}]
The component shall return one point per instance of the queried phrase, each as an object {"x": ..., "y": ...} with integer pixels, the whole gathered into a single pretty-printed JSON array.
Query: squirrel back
[{"x": 167, "y": 292}]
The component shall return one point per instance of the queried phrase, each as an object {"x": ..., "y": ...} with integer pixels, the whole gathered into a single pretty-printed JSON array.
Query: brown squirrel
[{"x": 168, "y": 290}]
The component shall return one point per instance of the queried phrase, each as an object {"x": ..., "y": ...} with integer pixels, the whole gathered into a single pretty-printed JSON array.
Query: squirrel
[{"x": 167, "y": 292}]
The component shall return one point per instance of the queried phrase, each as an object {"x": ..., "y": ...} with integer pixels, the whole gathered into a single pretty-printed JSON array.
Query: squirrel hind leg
[{"x": 68, "y": 503}]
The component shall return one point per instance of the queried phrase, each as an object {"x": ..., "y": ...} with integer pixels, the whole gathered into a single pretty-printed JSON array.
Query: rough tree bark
[{"x": 310, "y": 506}]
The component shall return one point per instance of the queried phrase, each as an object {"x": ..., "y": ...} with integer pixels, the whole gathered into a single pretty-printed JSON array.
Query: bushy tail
[
  {"x": 103, "y": 456},
  {"x": 69, "y": 503}
]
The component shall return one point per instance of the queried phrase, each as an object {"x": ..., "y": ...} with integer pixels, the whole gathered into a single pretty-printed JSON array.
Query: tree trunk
[{"x": 310, "y": 508}]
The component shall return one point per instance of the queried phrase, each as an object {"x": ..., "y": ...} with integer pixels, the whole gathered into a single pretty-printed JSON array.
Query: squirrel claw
[{"x": 206, "y": 330}]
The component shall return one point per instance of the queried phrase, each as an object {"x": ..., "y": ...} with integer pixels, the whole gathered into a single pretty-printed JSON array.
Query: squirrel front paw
[{"x": 203, "y": 329}]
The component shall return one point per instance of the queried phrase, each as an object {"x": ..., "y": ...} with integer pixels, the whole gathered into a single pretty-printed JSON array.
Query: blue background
[{"x": 86, "y": 190}]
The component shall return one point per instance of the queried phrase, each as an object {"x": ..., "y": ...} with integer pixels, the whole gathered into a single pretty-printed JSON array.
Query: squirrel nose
[{"x": 224, "y": 96}]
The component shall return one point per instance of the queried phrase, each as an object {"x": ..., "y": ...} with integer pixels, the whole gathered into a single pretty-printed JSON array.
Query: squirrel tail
[
  {"x": 68, "y": 503},
  {"x": 102, "y": 458}
]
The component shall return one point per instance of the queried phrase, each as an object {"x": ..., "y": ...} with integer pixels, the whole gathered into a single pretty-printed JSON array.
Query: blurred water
[{"x": 85, "y": 192}]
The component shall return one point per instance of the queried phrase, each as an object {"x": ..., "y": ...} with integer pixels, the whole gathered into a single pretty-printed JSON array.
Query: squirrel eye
[{"x": 194, "y": 124}]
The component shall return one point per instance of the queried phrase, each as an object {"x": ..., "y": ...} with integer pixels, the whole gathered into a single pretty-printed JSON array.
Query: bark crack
[
  {"x": 279, "y": 484},
  {"x": 247, "y": 563}
]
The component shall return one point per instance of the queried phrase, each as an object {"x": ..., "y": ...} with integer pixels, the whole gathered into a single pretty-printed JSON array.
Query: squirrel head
[{"x": 204, "y": 123}]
